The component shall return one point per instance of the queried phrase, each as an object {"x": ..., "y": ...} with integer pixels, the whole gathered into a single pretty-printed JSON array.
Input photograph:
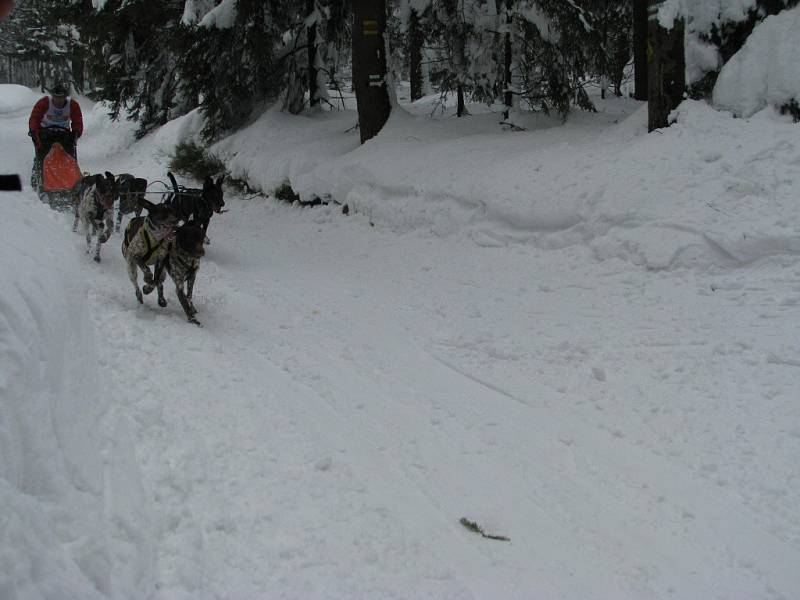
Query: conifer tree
[
  {"x": 610, "y": 40},
  {"x": 229, "y": 68},
  {"x": 33, "y": 39},
  {"x": 556, "y": 42},
  {"x": 133, "y": 57}
]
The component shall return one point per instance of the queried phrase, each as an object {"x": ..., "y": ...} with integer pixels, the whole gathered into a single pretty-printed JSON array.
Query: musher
[{"x": 54, "y": 118}]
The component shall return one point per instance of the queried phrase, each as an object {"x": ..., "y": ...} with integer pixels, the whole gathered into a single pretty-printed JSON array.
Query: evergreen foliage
[
  {"x": 35, "y": 37},
  {"x": 153, "y": 61},
  {"x": 196, "y": 162},
  {"x": 229, "y": 71},
  {"x": 132, "y": 57},
  {"x": 192, "y": 160}
]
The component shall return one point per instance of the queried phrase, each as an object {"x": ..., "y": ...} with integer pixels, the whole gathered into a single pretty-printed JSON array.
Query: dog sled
[{"x": 56, "y": 175}]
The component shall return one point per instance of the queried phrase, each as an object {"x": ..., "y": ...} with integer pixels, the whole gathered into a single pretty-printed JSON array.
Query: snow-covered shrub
[
  {"x": 765, "y": 71},
  {"x": 192, "y": 160}
]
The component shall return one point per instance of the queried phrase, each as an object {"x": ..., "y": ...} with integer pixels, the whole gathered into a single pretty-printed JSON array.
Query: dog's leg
[
  {"x": 190, "y": 284},
  {"x": 133, "y": 274},
  {"x": 89, "y": 238},
  {"x": 119, "y": 217},
  {"x": 75, "y": 222},
  {"x": 149, "y": 282},
  {"x": 108, "y": 226},
  {"x": 160, "y": 276},
  {"x": 188, "y": 308},
  {"x": 100, "y": 240}
]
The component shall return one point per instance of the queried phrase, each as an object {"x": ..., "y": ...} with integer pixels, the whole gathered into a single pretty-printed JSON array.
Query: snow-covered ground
[{"x": 581, "y": 337}]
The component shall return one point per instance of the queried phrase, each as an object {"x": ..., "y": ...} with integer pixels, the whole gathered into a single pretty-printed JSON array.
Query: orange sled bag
[{"x": 60, "y": 171}]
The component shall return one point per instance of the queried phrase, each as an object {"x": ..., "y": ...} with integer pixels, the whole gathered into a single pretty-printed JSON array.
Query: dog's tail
[{"x": 174, "y": 184}]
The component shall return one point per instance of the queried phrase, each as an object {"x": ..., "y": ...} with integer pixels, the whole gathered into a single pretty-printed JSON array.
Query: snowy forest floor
[{"x": 629, "y": 420}]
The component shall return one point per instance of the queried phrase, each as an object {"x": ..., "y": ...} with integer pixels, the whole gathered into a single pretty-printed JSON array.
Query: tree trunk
[
  {"x": 369, "y": 66},
  {"x": 461, "y": 108},
  {"x": 415, "y": 41},
  {"x": 640, "y": 48},
  {"x": 311, "y": 34},
  {"x": 78, "y": 65},
  {"x": 508, "y": 96},
  {"x": 666, "y": 68},
  {"x": 604, "y": 58}
]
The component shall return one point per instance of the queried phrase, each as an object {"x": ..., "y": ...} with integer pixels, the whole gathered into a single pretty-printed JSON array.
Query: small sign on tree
[{"x": 369, "y": 66}]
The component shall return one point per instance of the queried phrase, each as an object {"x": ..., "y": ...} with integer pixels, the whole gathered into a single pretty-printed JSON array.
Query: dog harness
[{"x": 151, "y": 242}]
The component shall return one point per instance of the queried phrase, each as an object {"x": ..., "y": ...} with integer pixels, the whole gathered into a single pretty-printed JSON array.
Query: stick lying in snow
[{"x": 474, "y": 527}]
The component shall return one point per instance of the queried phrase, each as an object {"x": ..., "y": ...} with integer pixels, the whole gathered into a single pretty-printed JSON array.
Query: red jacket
[{"x": 40, "y": 110}]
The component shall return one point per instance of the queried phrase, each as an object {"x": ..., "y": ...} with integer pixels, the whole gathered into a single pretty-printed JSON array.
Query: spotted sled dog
[
  {"x": 146, "y": 242},
  {"x": 95, "y": 209},
  {"x": 181, "y": 262},
  {"x": 130, "y": 192}
]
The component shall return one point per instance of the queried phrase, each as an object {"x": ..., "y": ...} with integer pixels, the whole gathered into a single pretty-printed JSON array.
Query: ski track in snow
[{"x": 354, "y": 392}]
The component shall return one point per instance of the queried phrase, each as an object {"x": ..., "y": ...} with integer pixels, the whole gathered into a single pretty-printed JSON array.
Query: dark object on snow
[
  {"x": 792, "y": 108},
  {"x": 475, "y": 528},
  {"x": 10, "y": 183}
]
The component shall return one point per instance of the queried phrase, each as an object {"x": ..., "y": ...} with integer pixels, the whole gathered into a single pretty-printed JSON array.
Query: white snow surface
[
  {"x": 223, "y": 16},
  {"x": 703, "y": 14},
  {"x": 766, "y": 70},
  {"x": 16, "y": 97},
  {"x": 195, "y": 10},
  {"x": 582, "y": 337}
]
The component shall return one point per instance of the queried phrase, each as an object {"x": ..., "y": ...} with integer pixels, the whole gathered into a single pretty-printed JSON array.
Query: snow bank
[
  {"x": 195, "y": 10},
  {"x": 178, "y": 131},
  {"x": 701, "y": 17},
  {"x": 16, "y": 97},
  {"x": 221, "y": 17},
  {"x": 688, "y": 195},
  {"x": 765, "y": 71},
  {"x": 278, "y": 147},
  {"x": 137, "y": 156},
  {"x": 71, "y": 521}
]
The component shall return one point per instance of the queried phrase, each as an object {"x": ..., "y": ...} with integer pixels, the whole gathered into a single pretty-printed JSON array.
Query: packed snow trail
[{"x": 354, "y": 392}]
